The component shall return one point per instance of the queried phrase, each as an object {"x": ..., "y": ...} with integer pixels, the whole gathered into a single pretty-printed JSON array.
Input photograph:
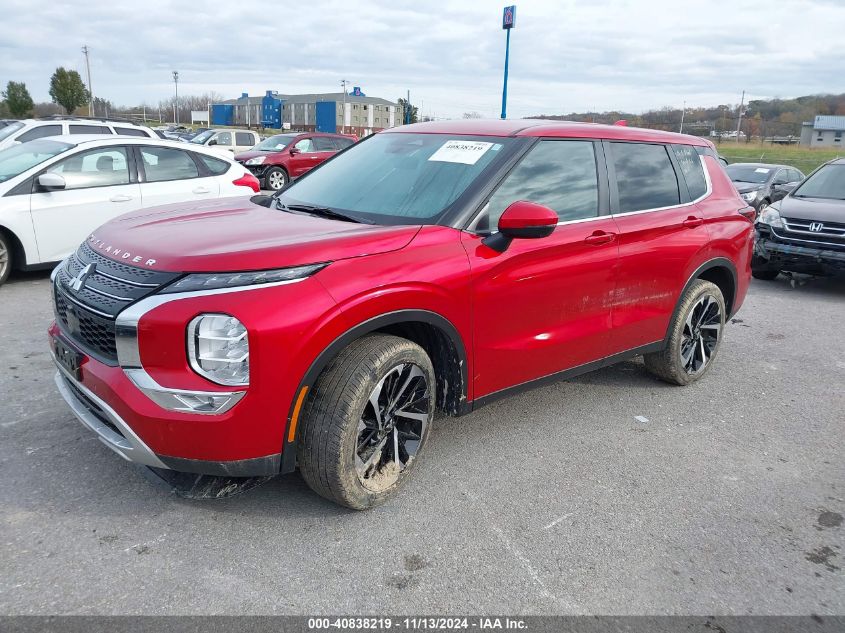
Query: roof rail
[{"x": 70, "y": 117}]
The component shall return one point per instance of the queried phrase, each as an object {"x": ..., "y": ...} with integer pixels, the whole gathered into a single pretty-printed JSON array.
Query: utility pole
[
  {"x": 508, "y": 20},
  {"x": 90, "y": 89},
  {"x": 739, "y": 121},
  {"x": 176, "y": 101},
  {"x": 683, "y": 112},
  {"x": 343, "y": 83},
  {"x": 407, "y": 116}
]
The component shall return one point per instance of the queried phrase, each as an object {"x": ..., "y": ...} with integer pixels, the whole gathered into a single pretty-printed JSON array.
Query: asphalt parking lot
[{"x": 727, "y": 500}]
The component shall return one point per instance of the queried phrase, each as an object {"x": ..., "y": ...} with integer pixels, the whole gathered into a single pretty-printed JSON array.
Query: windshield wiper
[{"x": 323, "y": 212}]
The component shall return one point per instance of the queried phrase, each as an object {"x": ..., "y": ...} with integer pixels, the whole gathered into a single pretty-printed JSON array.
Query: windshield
[
  {"x": 202, "y": 137},
  {"x": 827, "y": 182},
  {"x": 275, "y": 143},
  {"x": 749, "y": 173},
  {"x": 16, "y": 160},
  {"x": 398, "y": 178},
  {"x": 10, "y": 129}
]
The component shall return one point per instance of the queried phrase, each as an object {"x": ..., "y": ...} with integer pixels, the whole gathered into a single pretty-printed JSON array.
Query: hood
[
  {"x": 813, "y": 209},
  {"x": 252, "y": 154},
  {"x": 231, "y": 234},
  {"x": 745, "y": 187}
]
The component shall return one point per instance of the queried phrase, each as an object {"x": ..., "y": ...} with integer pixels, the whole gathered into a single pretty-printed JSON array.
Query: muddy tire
[
  {"x": 366, "y": 421},
  {"x": 5, "y": 258},
  {"x": 695, "y": 335}
]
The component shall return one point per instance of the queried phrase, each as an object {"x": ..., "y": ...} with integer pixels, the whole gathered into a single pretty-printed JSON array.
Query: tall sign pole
[{"x": 508, "y": 18}]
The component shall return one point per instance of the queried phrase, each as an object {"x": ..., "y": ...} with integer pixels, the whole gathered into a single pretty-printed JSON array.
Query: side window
[
  {"x": 558, "y": 174},
  {"x": 223, "y": 138},
  {"x": 795, "y": 175},
  {"x": 692, "y": 169},
  {"x": 164, "y": 163},
  {"x": 104, "y": 167},
  {"x": 782, "y": 177},
  {"x": 324, "y": 144},
  {"x": 342, "y": 143},
  {"x": 244, "y": 139},
  {"x": 644, "y": 176},
  {"x": 40, "y": 132},
  {"x": 214, "y": 165},
  {"x": 88, "y": 129},
  {"x": 128, "y": 131},
  {"x": 305, "y": 145}
]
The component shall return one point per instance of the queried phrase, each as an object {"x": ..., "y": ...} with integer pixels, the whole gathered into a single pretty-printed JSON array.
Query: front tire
[
  {"x": 5, "y": 258},
  {"x": 275, "y": 178},
  {"x": 695, "y": 335},
  {"x": 366, "y": 421},
  {"x": 760, "y": 269}
]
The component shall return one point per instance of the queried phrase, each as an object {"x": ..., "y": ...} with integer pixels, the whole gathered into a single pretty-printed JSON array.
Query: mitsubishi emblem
[{"x": 77, "y": 283}]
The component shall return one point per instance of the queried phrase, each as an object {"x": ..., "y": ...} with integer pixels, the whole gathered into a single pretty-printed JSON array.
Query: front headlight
[
  {"x": 218, "y": 348},
  {"x": 216, "y": 281},
  {"x": 258, "y": 160},
  {"x": 750, "y": 196},
  {"x": 771, "y": 217}
]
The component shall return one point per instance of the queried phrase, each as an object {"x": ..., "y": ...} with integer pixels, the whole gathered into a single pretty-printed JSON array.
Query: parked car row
[{"x": 55, "y": 190}]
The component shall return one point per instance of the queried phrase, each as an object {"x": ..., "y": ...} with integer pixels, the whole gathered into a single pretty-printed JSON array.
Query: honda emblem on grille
[
  {"x": 78, "y": 282},
  {"x": 816, "y": 227}
]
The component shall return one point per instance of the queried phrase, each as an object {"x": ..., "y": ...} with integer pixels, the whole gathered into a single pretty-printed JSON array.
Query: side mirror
[
  {"x": 51, "y": 182},
  {"x": 295, "y": 150},
  {"x": 212, "y": 142},
  {"x": 522, "y": 220}
]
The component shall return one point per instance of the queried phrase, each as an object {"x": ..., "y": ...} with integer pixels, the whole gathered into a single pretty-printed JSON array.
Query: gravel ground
[{"x": 563, "y": 500}]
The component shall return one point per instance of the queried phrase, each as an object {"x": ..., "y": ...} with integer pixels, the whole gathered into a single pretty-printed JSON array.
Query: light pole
[
  {"x": 683, "y": 112},
  {"x": 508, "y": 20},
  {"x": 85, "y": 51},
  {"x": 176, "y": 100},
  {"x": 343, "y": 83}
]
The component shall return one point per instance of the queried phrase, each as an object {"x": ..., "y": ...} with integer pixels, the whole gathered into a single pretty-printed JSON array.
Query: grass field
[{"x": 802, "y": 158}]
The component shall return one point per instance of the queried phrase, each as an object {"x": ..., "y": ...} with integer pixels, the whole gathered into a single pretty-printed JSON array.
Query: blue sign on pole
[
  {"x": 508, "y": 20},
  {"x": 509, "y": 17}
]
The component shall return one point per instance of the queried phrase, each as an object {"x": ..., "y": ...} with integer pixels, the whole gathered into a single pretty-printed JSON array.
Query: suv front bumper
[{"x": 771, "y": 251}]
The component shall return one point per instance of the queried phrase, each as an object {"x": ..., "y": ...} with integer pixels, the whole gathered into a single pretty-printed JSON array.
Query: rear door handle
[
  {"x": 691, "y": 222},
  {"x": 120, "y": 198},
  {"x": 202, "y": 190},
  {"x": 600, "y": 237}
]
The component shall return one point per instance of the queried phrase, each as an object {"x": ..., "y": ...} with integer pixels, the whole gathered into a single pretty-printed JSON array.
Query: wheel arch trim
[
  {"x": 716, "y": 262},
  {"x": 373, "y": 324}
]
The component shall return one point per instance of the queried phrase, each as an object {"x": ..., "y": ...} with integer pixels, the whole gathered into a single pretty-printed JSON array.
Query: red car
[
  {"x": 277, "y": 160},
  {"x": 433, "y": 266}
]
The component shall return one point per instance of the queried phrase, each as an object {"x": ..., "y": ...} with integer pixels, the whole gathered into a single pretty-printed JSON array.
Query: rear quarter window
[
  {"x": 692, "y": 169},
  {"x": 128, "y": 131},
  {"x": 214, "y": 165},
  {"x": 244, "y": 139},
  {"x": 645, "y": 177}
]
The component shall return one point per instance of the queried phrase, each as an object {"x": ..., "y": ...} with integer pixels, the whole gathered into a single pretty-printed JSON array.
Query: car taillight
[
  {"x": 749, "y": 212},
  {"x": 248, "y": 180}
]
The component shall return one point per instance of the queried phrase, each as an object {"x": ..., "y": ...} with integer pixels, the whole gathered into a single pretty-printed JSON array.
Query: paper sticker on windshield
[
  {"x": 466, "y": 152},
  {"x": 762, "y": 170}
]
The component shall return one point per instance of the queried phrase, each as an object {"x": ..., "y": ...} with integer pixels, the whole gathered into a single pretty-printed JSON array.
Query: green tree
[
  {"x": 67, "y": 89},
  {"x": 17, "y": 99},
  {"x": 405, "y": 105}
]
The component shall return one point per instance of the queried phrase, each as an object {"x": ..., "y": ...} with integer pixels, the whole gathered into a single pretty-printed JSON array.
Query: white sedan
[{"x": 55, "y": 191}]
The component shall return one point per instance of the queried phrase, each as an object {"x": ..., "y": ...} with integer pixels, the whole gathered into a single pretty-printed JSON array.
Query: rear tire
[
  {"x": 275, "y": 178},
  {"x": 366, "y": 421},
  {"x": 760, "y": 269},
  {"x": 5, "y": 258},
  {"x": 695, "y": 336}
]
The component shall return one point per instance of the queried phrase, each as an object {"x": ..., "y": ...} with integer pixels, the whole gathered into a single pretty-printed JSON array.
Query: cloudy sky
[{"x": 566, "y": 55}]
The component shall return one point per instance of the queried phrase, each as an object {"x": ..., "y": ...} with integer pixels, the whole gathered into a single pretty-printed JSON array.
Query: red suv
[
  {"x": 437, "y": 266},
  {"x": 277, "y": 160}
]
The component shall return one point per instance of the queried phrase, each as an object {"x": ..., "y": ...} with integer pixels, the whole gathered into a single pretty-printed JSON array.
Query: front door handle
[
  {"x": 120, "y": 198},
  {"x": 691, "y": 222},
  {"x": 202, "y": 190},
  {"x": 600, "y": 237}
]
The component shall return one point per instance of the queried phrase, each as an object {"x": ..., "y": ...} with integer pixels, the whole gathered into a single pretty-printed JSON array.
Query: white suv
[
  {"x": 55, "y": 191},
  {"x": 31, "y": 129}
]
